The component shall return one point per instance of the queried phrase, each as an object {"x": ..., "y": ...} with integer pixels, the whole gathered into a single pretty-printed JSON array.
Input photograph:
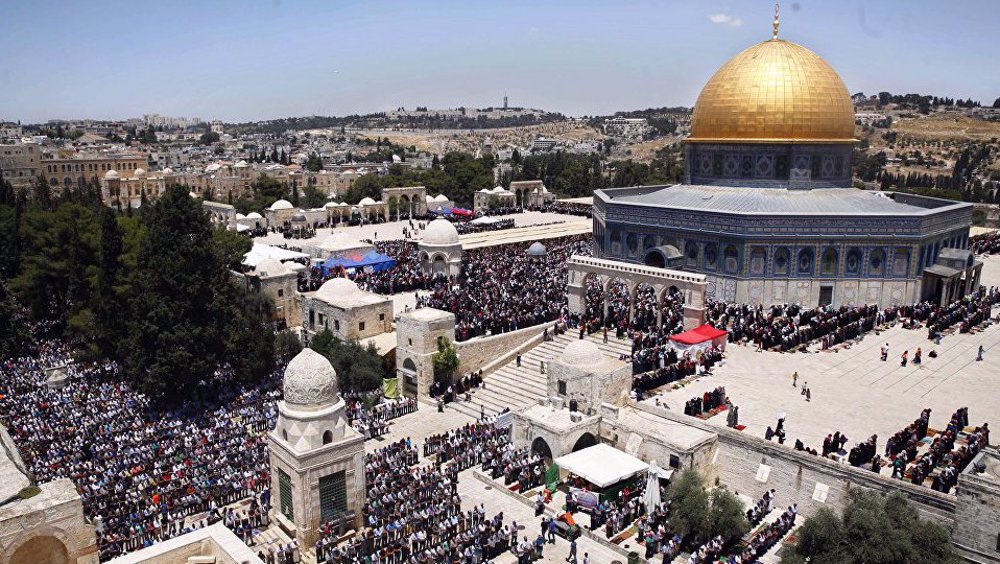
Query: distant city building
[
  {"x": 19, "y": 163},
  {"x": 217, "y": 127},
  {"x": 630, "y": 128}
]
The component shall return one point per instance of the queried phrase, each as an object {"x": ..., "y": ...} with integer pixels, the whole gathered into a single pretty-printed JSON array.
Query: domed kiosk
[
  {"x": 440, "y": 249},
  {"x": 316, "y": 457},
  {"x": 767, "y": 210},
  {"x": 584, "y": 377}
]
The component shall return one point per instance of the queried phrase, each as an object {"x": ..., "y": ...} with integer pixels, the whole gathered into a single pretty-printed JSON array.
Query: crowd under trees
[{"x": 150, "y": 289}]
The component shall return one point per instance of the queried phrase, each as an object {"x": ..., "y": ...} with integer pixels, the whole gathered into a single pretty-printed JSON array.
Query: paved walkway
[{"x": 852, "y": 391}]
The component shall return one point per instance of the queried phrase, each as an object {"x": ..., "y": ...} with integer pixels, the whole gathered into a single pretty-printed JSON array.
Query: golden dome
[{"x": 774, "y": 92}]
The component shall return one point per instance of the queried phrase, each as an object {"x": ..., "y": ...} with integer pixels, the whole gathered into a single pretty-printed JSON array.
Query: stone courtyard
[{"x": 852, "y": 391}]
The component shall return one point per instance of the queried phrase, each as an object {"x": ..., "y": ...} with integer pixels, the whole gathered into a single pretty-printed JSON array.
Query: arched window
[
  {"x": 758, "y": 260},
  {"x": 829, "y": 264},
  {"x": 284, "y": 434},
  {"x": 731, "y": 259},
  {"x": 327, "y": 437},
  {"x": 901, "y": 262},
  {"x": 853, "y": 265},
  {"x": 876, "y": 263},
  {"x": 805, "y": 262},
  {"x": 711, "y": 255},
  {"x": 781, "y": 259},
  {"x": 632, "y": 242},
  {"x": 691, "y": 254}
]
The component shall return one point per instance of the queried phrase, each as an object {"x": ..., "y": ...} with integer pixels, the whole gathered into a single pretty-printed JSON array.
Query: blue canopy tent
[
  {"x": 441, "y": 211},
  {"x": 375, "y": 261}
]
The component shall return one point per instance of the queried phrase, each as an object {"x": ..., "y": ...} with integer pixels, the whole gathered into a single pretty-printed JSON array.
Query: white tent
[
  {"x": 260, "y": 252},
  {"x": 602, "y": 465}
]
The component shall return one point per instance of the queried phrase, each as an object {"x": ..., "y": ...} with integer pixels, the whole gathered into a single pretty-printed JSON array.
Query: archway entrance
[
  {"x": 41, "y": 550},
  {"x": 439, "y": 268},
  {"x": 655, "y": 259},
  {"x": 409, "y": 373},
  {"x": 541, "y": 448},
  {"x": 586, "y": 440}
]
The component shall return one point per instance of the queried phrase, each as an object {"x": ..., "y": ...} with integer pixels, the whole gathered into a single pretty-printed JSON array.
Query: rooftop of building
[{"x": 776, "y": 201}]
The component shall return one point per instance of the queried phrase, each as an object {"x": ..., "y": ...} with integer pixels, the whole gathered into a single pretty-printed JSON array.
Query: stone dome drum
[
  {"x": 310, "y": 381},
  {"x": 440, "y": 232},
  {"x": 582, "y": 354},
  {"x": 774, "y": 92}
]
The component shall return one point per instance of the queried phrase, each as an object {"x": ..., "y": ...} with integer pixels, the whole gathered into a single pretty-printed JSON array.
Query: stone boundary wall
[
  {"x": 490, "y": 353},
  {"x": 794, "y": 475}
]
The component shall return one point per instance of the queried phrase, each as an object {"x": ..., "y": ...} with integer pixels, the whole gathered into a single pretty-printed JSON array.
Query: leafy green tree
[
  {"x": 445, "y": 360},
  {"x": 208, "y": 138},
  {"x": 108, "y": 305},
  {"x": 359, "y": 369},
  {"x": 726, "y": 518},
  {"x": 689, "y": 505},
  {"x": 875, "y": 529},
  {"x": 14, "y": 335},
  {"x": 286, "y": 345},
  {"x": 188, "y": 315}
]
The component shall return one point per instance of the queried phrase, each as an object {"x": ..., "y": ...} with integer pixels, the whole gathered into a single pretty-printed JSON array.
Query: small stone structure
[
  {"x": 406, "y": 201},
  {"x": 531, "y": 193},
  {"x": 417, "y": 334},
  {"x": 977, "y": 511},
  {"x": 346, "y": 310},
  {"x": 692, "y": 286},
  {"x": 279, "y": 281},
  {"x": 584, "y": 377},
  {"x": 214, "y": 544},
  {"x": 440, "y": 250},
  {"x": 316, "y": 457}
]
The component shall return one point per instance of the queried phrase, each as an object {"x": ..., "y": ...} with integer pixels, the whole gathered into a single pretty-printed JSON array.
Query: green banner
[
  {"x": 390, "y": 388},
  {"x": 552, "y": 477}
]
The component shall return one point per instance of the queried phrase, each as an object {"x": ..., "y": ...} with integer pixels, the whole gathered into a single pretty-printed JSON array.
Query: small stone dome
[
  {"x": 139, "y": 172},
  {"x": 310, "y": 381},
  {"x": 366, "y": 201},
  {"x": 336, "y": 289},
  {"x": 440, "y": 232},
  {"x": 536, "y": 250},
  {"x": 582, "y": 354},
  {"x": 112, "y": 175},
  {"x": 254, "y": 215},
  {"x": 441, "y": 198},
  {"x": 281, "y": 205}
]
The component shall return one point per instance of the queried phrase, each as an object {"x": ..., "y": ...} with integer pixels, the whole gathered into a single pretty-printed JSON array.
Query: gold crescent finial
[{"x": 774, "y": 34}]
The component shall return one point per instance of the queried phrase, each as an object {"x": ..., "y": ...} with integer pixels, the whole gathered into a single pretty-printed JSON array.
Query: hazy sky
[{"x": 250, "y": 60}]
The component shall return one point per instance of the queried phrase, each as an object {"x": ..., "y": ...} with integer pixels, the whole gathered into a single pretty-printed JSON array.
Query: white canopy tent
[
  {"x": 260, "y": 252},
  {"x": 602, "y": 465}
]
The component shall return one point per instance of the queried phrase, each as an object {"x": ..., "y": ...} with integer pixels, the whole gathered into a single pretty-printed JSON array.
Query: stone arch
[
  {"x": 408, "y": 364},
  {"x": 655, "y": 259},
  {"x": 393, "y": 206},
  {"x": 407, "y": 204},
  {"x": 41, "y": 549},
  {"x": 439, "y": 265},
  {"x": 327, "y": 437},
  {"x": 645, "y": 307},
  {"x": 618, "y": 294},
  {"x": 586, "y": 440},
  {"x": 540, "y": 447}
]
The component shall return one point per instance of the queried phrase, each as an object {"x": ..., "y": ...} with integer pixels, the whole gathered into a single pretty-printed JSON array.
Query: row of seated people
[
  {"x": 763, "y": 506},
  {"x": 471, "y": 439},
  {"x": 762, "y": 541}
]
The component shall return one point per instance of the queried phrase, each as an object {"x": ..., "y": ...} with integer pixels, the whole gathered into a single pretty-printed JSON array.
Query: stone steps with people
[{"x": 515, "y": 387}]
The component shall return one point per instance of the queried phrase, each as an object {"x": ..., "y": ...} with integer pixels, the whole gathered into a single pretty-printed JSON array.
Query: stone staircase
[{"x": 516, "y": 387}]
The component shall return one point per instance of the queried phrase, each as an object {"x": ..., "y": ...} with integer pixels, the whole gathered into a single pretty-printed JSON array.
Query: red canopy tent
[{"x": 700, "y": 337}]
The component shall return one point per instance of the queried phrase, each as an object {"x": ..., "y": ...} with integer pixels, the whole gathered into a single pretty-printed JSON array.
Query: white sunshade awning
[
  {"x": 602, "y": 465},
  {"x": 260, "y": 252}
]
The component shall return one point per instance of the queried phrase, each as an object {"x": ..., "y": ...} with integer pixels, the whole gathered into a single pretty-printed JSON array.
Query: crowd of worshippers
[
  {"x": 502, "y": 289},
  {"x": 466, "y": 227},
  {"x": 686, "y": 366},
  {"x": 615, "y": 514},
  {"x": 655, "y": 534},
  {"x": 565, "y": 208},
  {"x": 468, "y": 445},
  {"x": 514, "y": 465},
  {"x": 141, "y": 472},
  {"x": 985, "y": 243},
  {"x": 760, "y": 509},
  {"x": 967, "y": 312},
  {"x": 785, "y": 327},
  {"x": 446, "y": 392},
  {"x": 371, "y": 416},
  {"x": 413, "y": 513},
  {"x": 145, "y": 474},
  {"x": 865, "y": 453},
  {"x": 706, "y": 402}
]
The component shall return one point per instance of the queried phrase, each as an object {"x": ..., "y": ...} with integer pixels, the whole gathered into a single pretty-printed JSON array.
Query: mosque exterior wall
[
  {"x": 803, "y": 259},
  {"x": 769, "y": 165}
]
